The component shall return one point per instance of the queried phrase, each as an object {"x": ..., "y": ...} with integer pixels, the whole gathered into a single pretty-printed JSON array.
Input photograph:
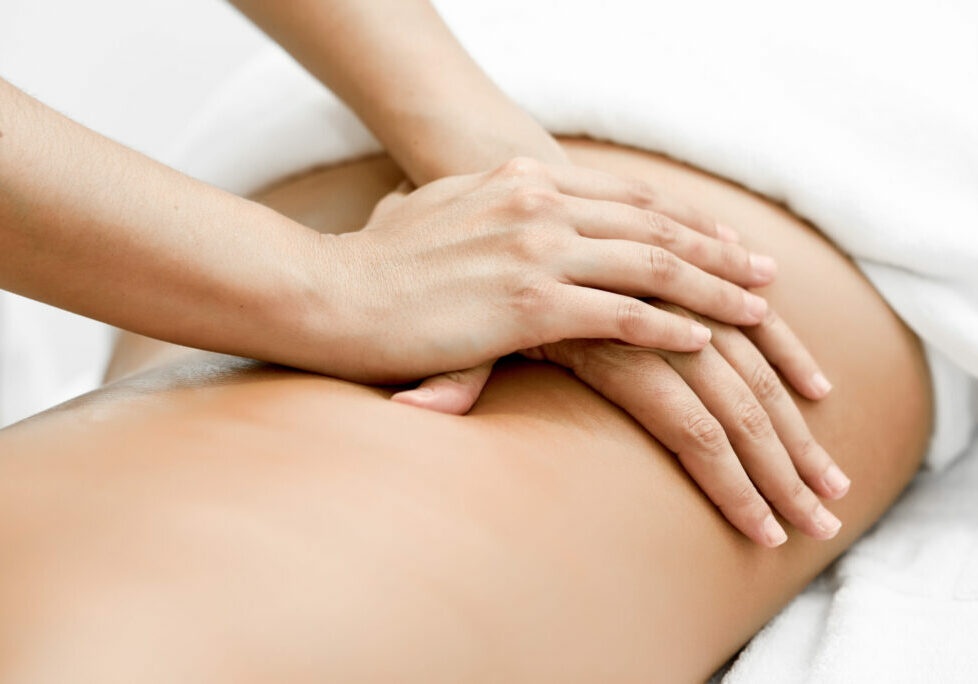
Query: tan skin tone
[
  {"x": 219, "y": 520},
  {"x": 529, "y": 253}
]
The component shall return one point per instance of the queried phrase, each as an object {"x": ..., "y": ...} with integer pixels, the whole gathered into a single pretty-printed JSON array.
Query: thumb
[{"x": 454, "y": 392}]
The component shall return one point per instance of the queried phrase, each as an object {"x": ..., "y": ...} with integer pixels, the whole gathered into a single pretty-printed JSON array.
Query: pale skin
[
  {"x": 98, "y": 229},
  {"x": 437, "y": 114},
  {"x": 215, "y": 520},
  {"x": 531, "y": 540},
  {"x": 565, "y": 246}
]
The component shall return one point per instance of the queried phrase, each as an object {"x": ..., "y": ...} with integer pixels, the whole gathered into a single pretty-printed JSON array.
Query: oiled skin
[{"x": 214, "y": 519}]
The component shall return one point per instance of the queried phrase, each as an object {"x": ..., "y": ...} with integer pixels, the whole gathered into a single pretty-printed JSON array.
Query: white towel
[
  {"x": 860, "y": 116},
  {"x": 831, "y": 114},
  {"x": 878, "y": 147},
  {"x": 900, "y": 606}
]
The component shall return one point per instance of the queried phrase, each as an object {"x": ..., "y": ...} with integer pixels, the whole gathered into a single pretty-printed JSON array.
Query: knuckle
[
  {"x": 642, "y": 195},
  {"x": 629, "y": 317},
  {"x": 531, "y": 299},
  {"x": 535, "y": 245},
  {"x": 519, "y": 167},
  {"x": 663, "y": 265},
  {"x": 725, "y": 297},
  {"x": 528, "y": 200},
  {"x": 764, "y": 383},
  {"x": 806, "y": 448},
  {"x": 582, "y": 360},
  {"x": 663, "y": 231},
  {"x": 751, "y": 419},
  {"x": 588, "y": 359},
  {"x": 699, "y": 251},
  {"x": 704, "y": 432},
  {"x": 742, "y": 496},
  {"x": 797, "y": 490}
]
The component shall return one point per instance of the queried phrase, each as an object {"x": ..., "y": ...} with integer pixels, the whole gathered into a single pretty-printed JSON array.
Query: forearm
[
  {"x": 404, "y": 74},
  {"x": 93, "y": 227}
]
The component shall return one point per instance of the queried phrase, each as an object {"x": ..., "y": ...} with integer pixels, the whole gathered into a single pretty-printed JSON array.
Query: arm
[
  {"x": 93, "y": 227},
  {"x": 401, "y": 70},
  {"x": 396, "y": 64},
  {"x": 427, "y": 101}
]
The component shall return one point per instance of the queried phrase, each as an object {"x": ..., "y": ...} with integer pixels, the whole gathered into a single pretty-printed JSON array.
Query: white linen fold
[{"x": 860, "y": 117}]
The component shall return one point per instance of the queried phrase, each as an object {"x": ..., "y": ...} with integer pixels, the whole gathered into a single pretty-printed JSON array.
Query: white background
[{"x": 98, "y": 62}]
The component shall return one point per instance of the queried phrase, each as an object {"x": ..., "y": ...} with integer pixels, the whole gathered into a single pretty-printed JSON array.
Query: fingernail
[
  {"x": 726, "y": 233},
  {"x": 836, "y": 480},
  {"x": 416, "y": 393},
  {"x": 773, "y": 532},
  {"x": 821, "y": 384},
  {"x": 764, "y": 267},
  {"x": 827, "y": 522},
  {"x": 701, "y": 334},
  {"x": 756, "y": 306}
]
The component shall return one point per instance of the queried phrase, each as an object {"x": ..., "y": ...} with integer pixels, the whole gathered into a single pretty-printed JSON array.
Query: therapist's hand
[
  {"x": 469, "y": 268},
  {"x": 723, "y": 411},
  {"x": 725, "y": 414}
]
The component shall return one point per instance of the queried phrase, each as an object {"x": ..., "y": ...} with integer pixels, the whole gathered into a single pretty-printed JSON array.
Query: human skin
[
  {"x": 481, "y": 265},
  {"x": 93, "y": 227},
  {"x": 397, "y": 65},
  {"x": 214, "y": 519}
]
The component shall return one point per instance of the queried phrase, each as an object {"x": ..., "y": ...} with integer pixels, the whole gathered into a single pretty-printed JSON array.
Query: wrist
[
  {"x": 433, "y": 144},
  {"x": 316, "y": 310}
]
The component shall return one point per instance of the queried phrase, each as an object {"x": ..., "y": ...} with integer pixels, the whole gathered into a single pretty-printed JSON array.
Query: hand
[
  {"x": 469, "y": 268},
  {"x": 694, "y": 236},
  {"x": 724, "y": 413}
]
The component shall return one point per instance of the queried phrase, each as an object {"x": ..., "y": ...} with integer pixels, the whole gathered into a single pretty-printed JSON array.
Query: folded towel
[
  {"x": 831, "y": 114},
  {"x": 900, "y": 606},
  {"x": 858, "y": 116},
  {"x": 875, "y": 144}
]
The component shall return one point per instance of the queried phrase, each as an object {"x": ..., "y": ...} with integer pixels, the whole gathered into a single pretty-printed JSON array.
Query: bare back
[{"x": 241, "y": 522}]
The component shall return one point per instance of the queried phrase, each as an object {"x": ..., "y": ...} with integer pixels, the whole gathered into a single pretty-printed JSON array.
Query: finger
[
  {"x": 613, "y": 220},
  {"x": 648, "y": 271},
  {"x": 593, "y": 184},
  {"x": 811, "y": 461},
  {"x": 783, "y": 349},
  {"x": 749, "y": 429},
  {"x": 580, "y": 312},
  {"x": 644, "y": 385},
  {"x": 455, "y": 392}
]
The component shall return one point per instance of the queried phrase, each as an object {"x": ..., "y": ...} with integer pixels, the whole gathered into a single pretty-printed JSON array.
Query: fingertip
[
  {"x": 756, "y": 306},
  {"x": 827, "y": 524},
  {"x": 820, "y": 385},
  {"x": 763, "y": 268},
  {"x": 835, "y": 482},
  {"x": 414, "y": 397},
  {"x": 700, "y": 335},
  {"x": 773, "y": 534},
  {"x": 452, "y": 403}
]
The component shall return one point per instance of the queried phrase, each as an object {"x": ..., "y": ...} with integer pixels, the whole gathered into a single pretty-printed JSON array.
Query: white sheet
[
  {"x": 137, "y": 72},
  {"x": 859, "y": 116}
]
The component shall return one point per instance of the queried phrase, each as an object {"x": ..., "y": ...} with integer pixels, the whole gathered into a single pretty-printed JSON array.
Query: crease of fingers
[
  {"x": 754, "y": 440},
  {"x": 600, "y": 219},
  {"x": 683, "y": 424},
  {"x": 646, "y": 271},
  {"x": 813, "y": 463}
]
